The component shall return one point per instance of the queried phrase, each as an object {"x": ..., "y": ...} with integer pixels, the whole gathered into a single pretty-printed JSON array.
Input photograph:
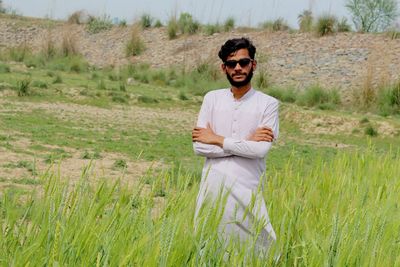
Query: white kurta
[{"x": 240, "y": 164}]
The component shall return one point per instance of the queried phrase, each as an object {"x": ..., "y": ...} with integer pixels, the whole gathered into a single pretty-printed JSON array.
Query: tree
[
  {"x": 372, "y": 15},
  {"x": 2, "y": 9}
]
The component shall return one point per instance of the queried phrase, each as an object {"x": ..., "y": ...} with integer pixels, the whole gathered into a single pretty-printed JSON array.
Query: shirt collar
[{"x": 247, "y": 95}]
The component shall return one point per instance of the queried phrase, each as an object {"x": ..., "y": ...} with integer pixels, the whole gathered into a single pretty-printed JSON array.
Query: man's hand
[
  {"x": 207, "y": 136},
  {"x": 262, "y": 134}
]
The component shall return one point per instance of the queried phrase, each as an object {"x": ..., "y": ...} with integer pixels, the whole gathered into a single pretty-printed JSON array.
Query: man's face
[{"x": 239, "y": 68}]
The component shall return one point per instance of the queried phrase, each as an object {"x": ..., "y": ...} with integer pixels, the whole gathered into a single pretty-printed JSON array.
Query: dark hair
[{"x": 234, "y": 45}]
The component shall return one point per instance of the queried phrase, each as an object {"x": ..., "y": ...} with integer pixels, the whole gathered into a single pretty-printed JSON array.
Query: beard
[{"x": 246, "y": 81}]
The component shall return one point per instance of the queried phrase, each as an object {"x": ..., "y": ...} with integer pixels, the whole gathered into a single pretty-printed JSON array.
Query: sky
[{"x": 245, "y": 12}]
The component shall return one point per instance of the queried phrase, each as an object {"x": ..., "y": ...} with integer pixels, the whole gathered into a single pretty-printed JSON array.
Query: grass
[
  {"x": 318, "y": 220},
  {"x": 135, "y": 46},
  {"x": 99, "y": 24},
  {"x": 326, "y": 25}
]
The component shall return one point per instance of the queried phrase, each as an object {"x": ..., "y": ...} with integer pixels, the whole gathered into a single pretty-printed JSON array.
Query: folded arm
[{"x": 209, "y": 144}]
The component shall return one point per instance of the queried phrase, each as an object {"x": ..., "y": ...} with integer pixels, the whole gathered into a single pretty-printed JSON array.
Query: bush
[
  {"x": 263, "y": 80},
  {"x": 172, "y": 28},
  {"x": 229, "y": 24},
  {"x": 23, "y": 87},
  {"x": 288, "y": 95},
  {"x": 48, "y": 47},
  {"x": 158, "y": 24},
  {"x": 389, "y": 100},
  {"x": 122, "y": 23},
  {"x": 135, "y": 46},
  {"x": 120, "y": 164},
  {"x": 317, "y": 96},
  {"x": 371, "y": 131},
  {"x": 305, "y": 20},
  {"x": 146, "y": 21},
  {"x": 69, "y": 44},
  {"x": 99, "y": 24},
  {"x": 187, "y": 24},
  {"x": 77, "y": 17},
  {"x": 343, "y": 25},
  {"x": 325, "y": 25},
  {"x": 210, "y": 29},
  {"x": 277, "y": 25}
]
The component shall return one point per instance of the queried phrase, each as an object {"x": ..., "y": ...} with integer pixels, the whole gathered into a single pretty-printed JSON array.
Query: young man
[{"x": 235, "y": 130}]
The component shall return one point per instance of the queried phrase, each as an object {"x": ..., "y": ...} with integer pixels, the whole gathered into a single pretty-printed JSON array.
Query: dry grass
[
  {"x": 69, "y": 43},
  {"x": 49, "y": 49},
  {"x": 135, "y": 46}
]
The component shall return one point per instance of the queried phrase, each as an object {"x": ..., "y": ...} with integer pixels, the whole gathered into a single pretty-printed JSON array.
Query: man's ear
[
  {"x": 223, "y": 67},
  {"x": 254, "y": 64}
]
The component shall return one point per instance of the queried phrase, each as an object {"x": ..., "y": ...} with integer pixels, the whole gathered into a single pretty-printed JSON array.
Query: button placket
[{"x": 235, "y": 126}]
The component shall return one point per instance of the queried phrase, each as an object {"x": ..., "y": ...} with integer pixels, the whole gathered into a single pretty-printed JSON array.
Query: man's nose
[{"x": 238, "y": 67}]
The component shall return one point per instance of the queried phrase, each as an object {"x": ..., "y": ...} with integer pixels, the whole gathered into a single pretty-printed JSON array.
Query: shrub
[
  {"x": 210, "y": 29},
  {"x": 122, "y": 23},
  {"x": 158, "y": 24},
  {"x": 389, "y": 100},
  {"x": 229, "y": 24},
  {"x": 2, "y": 9},
  {"x": 263, "y": 80},
  {"x": 146, "y": 21},
  {"x": 283, "y": 94},
  {"x": 366, "y": 95},
  {"x": 317, "y": 96},
  {"x": 48, "y": 46},
  {"x": 120, "y": 164},
  {"x": 187, "y": 24},
  {"x": 68, "y": 43},
  {"x": 277, "y": 25},
  {"x": 325, "y": 25},
  {"x": 77, "y": 65},
  {"x": 77, "y": 17},
  {"x": 305, "y": 20},
  {"x": 182, "y": 96},
  {"x": 99, "y": 24},
  {"x": 135, "y": 46},
  {"x": 343, "y": 25},
  {"x": 23, "y": 87},
  {"x": 172, "y": 28},
  {"x": 371, "y": 131}
]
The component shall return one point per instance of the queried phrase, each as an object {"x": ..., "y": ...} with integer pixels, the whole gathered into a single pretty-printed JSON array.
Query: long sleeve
[
  {"x": 206, "y": 150},
  {"x": 252, "y": 149}
]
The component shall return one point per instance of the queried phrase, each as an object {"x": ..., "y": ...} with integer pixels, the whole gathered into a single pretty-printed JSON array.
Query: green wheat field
[{"x": 97, "y": 169}]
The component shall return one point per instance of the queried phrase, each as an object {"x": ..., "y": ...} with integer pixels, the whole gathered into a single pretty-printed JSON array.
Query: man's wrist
[{"x": 219, "y": 140}]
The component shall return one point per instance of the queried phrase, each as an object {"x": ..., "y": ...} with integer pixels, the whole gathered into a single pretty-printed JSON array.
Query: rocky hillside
[{"x": 291, "y": 59}]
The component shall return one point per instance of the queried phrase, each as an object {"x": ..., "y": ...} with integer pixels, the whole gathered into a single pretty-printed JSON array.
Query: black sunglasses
[{"x": 243, "y": 62}]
